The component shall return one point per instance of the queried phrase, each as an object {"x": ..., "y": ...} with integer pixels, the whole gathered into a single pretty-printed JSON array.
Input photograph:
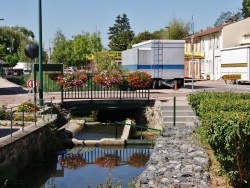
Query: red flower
[
  {"x": 108, "y": 160},
  {"x": 72, "y": 162},
  {"x": 139, "y": 79},
  {"x": 69, "y": 80},
  {"x": 138, "y": 160},
  {"x": 107, "y": 78}
]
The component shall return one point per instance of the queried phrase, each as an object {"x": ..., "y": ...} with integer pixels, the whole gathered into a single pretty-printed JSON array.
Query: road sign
[
  {"x": 31, "y": 83},
  {"x": 231, "y": 77}
]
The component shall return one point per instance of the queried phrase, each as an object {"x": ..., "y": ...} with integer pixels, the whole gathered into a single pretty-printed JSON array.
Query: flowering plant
[
  {"x": 72, "y": 162},
  {"x": 27, "y": 106},
  {"x": 139, "y": 79},
  {"x": 108, "y": 160},
  {"x": 108, "y": 78},
  {"x": 138, "y": 160},
  {"x": 69, "y": 80}
]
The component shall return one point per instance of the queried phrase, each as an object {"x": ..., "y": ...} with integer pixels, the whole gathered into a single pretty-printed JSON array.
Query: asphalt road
[{"x": 13, "y": 94}]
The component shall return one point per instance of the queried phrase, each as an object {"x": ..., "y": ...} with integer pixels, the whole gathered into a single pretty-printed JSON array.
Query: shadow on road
[{"x": 12, "y": 91}]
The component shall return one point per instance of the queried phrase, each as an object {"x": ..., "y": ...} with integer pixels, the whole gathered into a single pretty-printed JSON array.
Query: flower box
[
  {"x": 139, "y": 79},
  {"x": 72, "y": 80},
  {"x": 108, "y": 78}
]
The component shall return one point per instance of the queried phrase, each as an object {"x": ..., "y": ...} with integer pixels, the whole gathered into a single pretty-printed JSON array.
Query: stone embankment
[{"x": 177, "y": 160}]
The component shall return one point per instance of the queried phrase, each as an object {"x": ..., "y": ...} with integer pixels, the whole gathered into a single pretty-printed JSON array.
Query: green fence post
[{"x": 174, "y": 110}]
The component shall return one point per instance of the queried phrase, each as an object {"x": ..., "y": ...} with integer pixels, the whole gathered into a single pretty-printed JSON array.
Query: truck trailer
[
  {"x": 235, "y": 63},
  {"x": 162, "y": 59}
]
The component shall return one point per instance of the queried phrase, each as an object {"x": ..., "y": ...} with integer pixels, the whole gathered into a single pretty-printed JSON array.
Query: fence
[
  {"x": 93, "y": 91},
  {"x": 24, "y": 113}
]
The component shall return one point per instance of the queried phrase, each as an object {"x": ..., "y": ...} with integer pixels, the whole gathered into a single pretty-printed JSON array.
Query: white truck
[
  {"x": 235, "y": 64},
  {"x": 163, "y": 59}
]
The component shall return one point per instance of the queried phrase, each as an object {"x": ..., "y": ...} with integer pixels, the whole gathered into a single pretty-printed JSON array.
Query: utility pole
[
  {"x": 192, "y": 46},
  {"x": 40, "y": 53}
]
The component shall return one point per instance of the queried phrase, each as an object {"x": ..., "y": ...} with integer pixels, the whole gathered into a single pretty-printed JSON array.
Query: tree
[
  {"x": 120, "y": 35},
  {"x": 246, "y": 8},
  {"x": 61, "y": 49},
  {"x": 228, "y": 16},
  {"x": 143, "y": 36},
  {"x": 105, "y": 61},
  {"x": 176, "y": 29},
  {"x": 14, "y": 40},
  {"x": 74, "y": 52},
  {"x": 86, "y": 44}
]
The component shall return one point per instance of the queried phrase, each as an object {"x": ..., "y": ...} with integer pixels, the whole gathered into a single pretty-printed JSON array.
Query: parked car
[
  {"x": 73, "y": 68},
  {"x": 68, "y": 70}
]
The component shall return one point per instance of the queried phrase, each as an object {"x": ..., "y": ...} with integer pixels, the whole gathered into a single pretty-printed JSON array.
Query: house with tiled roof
[
  {"x": 207, "y": 43},
  {"x": 204, "y": 59}
]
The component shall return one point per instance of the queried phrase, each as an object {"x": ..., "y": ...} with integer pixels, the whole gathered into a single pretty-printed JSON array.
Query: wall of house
[
  {"x": 211, "y": 46},
  {"x": 233, "y": 33}
]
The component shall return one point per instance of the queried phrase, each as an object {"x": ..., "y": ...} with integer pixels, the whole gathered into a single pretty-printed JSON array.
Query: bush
[
  {"x": 225, "y": 121},
  {"x": 4, "y": 114},
  {"x": 27, "y": 106}
]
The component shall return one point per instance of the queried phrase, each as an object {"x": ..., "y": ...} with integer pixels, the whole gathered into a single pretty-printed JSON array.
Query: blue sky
[{"x": 77, "y": 16}]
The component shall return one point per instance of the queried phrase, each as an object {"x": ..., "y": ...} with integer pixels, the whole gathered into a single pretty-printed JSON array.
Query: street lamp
[
  {"x": 1, "y": 19},
  {"x": 168, "y": 32},
  {"x": 40, "y": 53}
]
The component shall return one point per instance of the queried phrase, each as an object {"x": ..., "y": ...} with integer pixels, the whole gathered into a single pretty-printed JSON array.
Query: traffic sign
[
  {"x": 31, "y": 83},
  {"x": 231, "y": 77}
]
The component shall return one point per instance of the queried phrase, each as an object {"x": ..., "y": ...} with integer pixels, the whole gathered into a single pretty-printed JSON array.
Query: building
[{"x": 204, "y": 61}]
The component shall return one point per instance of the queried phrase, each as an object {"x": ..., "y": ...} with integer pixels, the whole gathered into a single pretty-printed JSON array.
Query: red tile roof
[{"x": 208, "y": 31}]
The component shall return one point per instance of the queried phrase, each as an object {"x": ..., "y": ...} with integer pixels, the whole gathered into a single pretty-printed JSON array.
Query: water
[
  {"x": 90, "y": 173},
  {"x": 89, "y": 167},
  {"x": 99, "y": 131}
]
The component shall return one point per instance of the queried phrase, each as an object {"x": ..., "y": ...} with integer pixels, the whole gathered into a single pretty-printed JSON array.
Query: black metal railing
[
  {"x": 18, "y": 117},
  {"x": 117, "y": 92}
]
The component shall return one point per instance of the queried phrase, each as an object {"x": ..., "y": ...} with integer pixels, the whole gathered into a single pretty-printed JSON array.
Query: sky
[{"x": 79, "y": 16}]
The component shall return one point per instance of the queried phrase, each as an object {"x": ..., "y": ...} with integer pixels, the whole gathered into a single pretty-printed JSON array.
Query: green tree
[
  {"x": 143, "y": 36},
  {"x": 74, "y": 52},
  {"x": 120, "y": 35},
  {"x": 159, "y": 34},
  {"x": 14, "y": 40},
  {"x": 246, "y": 8},
  {"x": 62, "y": 48},
  {"x": 176, "y": 29},
  {"x": 105, "y": 61},
  {"x": 85, "y": 44}
]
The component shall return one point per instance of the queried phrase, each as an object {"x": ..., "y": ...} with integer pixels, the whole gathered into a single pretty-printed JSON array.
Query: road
[{"x": 12, "y": 94}]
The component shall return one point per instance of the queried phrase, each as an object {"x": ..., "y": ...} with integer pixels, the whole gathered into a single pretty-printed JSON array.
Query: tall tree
[
  {"x": 246, "y": 8},
  {"x": 120, "y": 35},
  {"x": 62, "y": 49},
  {"x": 75, "y": 51},
  {"x": 176, "y": 29},
  {"x": 86, "y": 44},
  {"x": 14, "y": 40}
]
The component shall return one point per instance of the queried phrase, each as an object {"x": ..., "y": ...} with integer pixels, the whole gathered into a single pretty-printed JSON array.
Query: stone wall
[
  {"x": 177, "y": 159},
  {"x": 18, "y": 149}
]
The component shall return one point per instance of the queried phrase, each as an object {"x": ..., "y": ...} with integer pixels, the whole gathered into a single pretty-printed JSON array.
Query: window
[{"x": 217, "y": 43}]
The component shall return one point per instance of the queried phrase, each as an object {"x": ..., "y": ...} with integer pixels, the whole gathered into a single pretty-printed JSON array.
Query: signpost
[
  {"x": 31, "y": 84},
  {"x": 231, "y": 77}
]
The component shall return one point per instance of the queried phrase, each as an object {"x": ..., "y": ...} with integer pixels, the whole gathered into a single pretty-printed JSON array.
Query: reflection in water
[
  {"x": 94, "y": 166},
  {"x": 83, "y": 167}
]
